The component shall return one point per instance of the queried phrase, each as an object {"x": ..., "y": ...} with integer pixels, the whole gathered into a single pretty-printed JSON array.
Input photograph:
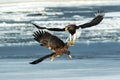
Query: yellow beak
[{"x": 66, "y": 28}]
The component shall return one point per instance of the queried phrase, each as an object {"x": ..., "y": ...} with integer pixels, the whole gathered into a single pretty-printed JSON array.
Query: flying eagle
[
  {"x": 53, "y": 43},
  {"x": 72, "y": 28}
]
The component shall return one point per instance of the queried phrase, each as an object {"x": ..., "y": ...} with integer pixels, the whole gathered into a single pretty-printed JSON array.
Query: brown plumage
[{"x": 51, "y": 42}]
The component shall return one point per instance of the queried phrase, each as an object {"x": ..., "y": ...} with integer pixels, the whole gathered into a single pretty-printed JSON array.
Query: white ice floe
[
  {"x": 43, "y": 3},
  {"x": 113, "y": 14},
  {"x": 16, "y": 22}
]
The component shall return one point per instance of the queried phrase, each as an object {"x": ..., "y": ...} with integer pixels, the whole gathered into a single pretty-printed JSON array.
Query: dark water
[{"x": 79, "y": 51}]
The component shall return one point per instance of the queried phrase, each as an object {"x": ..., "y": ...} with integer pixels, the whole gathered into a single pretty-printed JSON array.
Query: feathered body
[{"x": 51, "y": 42}]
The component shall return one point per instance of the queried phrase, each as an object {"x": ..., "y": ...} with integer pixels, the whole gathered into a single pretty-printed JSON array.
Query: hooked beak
[{"x": 72, "y": 40}]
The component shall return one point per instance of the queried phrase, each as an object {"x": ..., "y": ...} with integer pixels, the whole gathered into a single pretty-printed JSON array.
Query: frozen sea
[{"x": 96, "y": 54}]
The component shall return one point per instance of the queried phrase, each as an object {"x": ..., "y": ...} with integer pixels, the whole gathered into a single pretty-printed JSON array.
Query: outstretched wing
[
  {"x": 93, "y": 22},
  {"x": 41, "y": 59},
  {"x": 48, "y": 40},
  {"x": 51, "y": 29}
]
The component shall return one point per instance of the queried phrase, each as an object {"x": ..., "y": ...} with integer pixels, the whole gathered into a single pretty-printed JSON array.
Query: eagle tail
[
  {"x": 100, "y": 13},
  {"x": 41, "y": 59}
]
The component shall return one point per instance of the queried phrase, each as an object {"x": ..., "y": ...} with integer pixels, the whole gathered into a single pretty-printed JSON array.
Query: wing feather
[
  {"x": 51, "y": 29},
  {"x": 48, "y": 40},
  {"x": 38, "y": 26},
  {"x": 93, "y": 22}
]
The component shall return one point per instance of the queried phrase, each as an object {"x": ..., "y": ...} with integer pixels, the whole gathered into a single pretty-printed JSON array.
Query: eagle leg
[{"x": 52, "y": 59}]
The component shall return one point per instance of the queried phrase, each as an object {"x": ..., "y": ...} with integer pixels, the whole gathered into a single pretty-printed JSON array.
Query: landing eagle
[{"x": 51, "y": 42}]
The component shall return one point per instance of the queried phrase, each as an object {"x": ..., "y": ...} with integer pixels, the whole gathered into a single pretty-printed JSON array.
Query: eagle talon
[{"x": 71, "y": 43}]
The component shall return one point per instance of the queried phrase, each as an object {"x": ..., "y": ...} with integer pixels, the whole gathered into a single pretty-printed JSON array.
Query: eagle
[
  {"x": 72, "y": 27},
  {"x": 53, "y": 43}
]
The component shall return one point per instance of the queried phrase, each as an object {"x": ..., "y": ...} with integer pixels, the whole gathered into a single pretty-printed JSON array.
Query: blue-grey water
[
  {"x": 16, "y": 40},
  {"x": 96, "y": 54}
]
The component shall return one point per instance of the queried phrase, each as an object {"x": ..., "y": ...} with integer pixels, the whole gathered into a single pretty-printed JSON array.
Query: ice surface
[{"x": 61, "y": 69}]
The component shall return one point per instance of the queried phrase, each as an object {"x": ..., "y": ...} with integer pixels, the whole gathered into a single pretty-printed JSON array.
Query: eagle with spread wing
[
  {"x": 72, "y": 28},
  {"x": 53, "y": 43}
]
